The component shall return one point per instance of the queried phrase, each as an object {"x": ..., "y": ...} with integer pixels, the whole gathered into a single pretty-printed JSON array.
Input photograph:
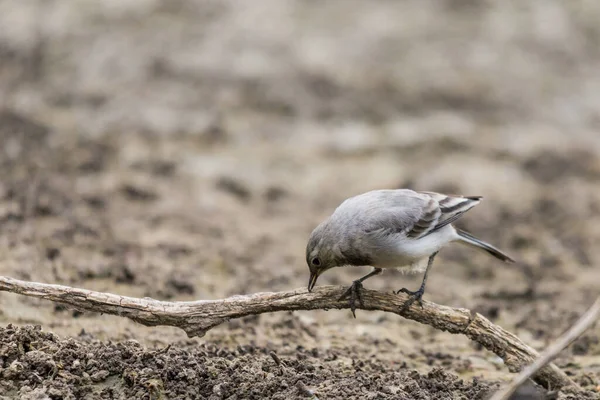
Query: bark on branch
[{"x": 197, "y": 317}]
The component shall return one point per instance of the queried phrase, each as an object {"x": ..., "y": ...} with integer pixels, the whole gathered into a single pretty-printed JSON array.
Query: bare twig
[
  {"x": 197, "y": 317},
  {"x": 585, "y": 322}
]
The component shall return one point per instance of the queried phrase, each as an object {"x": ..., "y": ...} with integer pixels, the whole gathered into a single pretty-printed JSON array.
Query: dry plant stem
[
  {"x": 197, "y": 317},
  {"x": 585, "y": 322}
]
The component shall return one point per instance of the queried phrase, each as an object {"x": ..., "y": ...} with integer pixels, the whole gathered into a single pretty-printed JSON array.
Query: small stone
[{"x": 100, "y": 376}]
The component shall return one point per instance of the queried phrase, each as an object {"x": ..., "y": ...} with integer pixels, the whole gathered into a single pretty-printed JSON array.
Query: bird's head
[{"x": 319, "y": 254}]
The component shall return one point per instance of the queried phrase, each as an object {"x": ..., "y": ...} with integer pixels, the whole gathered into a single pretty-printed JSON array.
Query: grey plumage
[{"x": 390, "y": 229}]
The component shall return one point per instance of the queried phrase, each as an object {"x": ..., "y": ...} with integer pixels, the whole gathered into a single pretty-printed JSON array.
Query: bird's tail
[{"x": 471, "y": 240}]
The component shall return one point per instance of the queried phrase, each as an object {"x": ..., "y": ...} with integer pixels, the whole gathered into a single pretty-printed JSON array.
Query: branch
[
  {"x": 197, "y": 317},
  {"x": 585, "y": 322}
]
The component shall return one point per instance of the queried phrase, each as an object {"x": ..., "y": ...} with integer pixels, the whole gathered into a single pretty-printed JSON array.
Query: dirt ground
[{"x": 185, "y": 149}]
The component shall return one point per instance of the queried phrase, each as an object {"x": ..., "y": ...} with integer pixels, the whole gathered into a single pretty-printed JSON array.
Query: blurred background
[{"x": 185, "y": 150}]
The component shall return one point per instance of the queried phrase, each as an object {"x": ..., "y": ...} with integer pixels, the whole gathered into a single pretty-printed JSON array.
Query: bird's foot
[
  {"x": 414, "y": 296},
  {"x": 353, "y": 294}
]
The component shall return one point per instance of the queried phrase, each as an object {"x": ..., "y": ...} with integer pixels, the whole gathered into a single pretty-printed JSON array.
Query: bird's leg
[
  {"x": 418, "y": 295},
  {"x": 353, "y": 292}
]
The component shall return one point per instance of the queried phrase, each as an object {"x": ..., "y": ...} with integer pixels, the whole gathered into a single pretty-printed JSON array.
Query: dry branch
[
  {"x": 584, "y": 323},
  {"x": 197, "y": 317}
]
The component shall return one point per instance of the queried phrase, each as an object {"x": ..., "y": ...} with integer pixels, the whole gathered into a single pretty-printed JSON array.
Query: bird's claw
[
  {"x": 414, "y": 296},
  {"x": 353, "y": 294}
]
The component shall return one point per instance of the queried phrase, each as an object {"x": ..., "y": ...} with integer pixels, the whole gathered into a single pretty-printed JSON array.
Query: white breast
[{"x": 406, "y": 252}]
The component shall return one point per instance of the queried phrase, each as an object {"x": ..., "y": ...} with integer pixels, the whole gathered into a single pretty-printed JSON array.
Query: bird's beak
[{"x": 312, "y": 280}]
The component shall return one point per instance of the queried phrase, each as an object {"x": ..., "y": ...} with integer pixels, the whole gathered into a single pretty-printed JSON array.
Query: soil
[{"x": 185, "y": 150}]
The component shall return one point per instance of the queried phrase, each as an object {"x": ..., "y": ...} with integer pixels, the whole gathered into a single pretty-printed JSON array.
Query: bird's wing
[
  {"x": 415, "y": 214},
  {"x": 440, "y": 211}
]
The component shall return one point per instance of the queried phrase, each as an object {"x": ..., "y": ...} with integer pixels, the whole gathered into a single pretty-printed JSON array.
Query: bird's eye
[{"x": 316, "y": 262}]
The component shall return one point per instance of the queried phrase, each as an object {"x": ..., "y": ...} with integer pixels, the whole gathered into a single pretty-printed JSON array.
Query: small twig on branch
[
  {"x": 197, "y": 317},
  {"x": 585, "y": 322}
]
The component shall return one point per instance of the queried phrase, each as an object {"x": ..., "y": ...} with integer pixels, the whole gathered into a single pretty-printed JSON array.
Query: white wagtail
[{"x": 390, "y": 229}]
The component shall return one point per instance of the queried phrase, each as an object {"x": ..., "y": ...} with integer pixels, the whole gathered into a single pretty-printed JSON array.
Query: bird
[{"x": 391, "y": 228}]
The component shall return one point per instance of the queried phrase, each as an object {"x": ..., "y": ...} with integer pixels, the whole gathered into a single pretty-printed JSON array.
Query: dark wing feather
[
  {"x": 428, "y": 220},
  {"x": 447, "y": 209}
]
